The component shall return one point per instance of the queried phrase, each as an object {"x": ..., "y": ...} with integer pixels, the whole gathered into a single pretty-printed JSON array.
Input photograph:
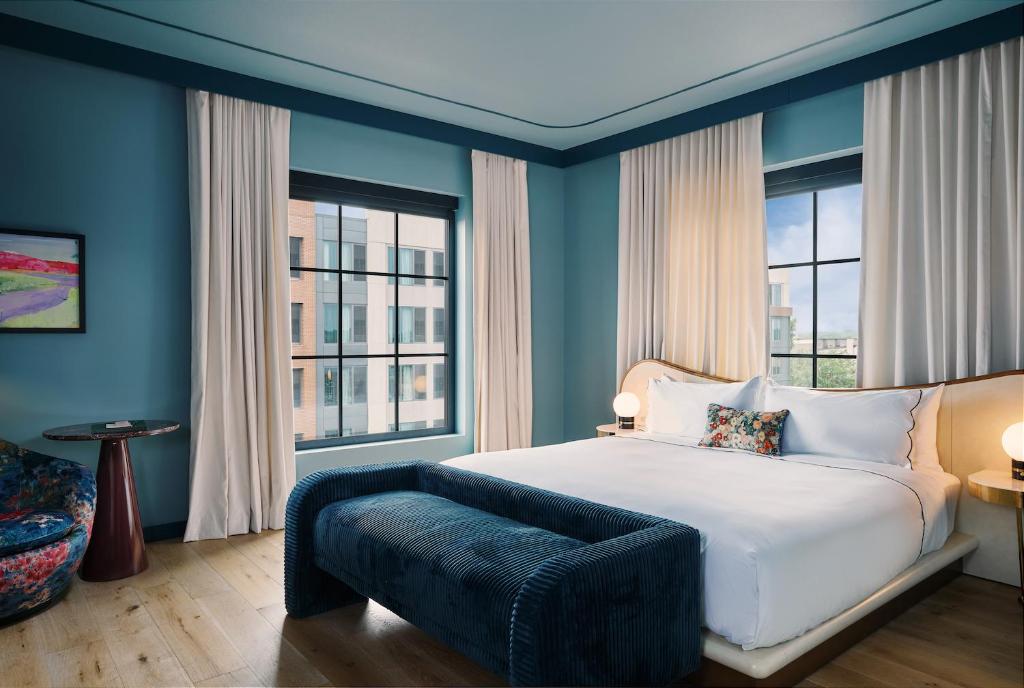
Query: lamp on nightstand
[
  {"x": 1013, "y": 444},
  {"x": 626, "y": 405}
]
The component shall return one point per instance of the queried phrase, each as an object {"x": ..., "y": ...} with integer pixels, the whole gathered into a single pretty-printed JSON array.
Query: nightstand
[
  {"x": 612, "y": 429},
  {"x": 998, "y": 487}
]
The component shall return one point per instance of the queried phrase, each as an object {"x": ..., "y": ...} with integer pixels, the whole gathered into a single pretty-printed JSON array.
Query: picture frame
[{"x": 42, "y": 282}]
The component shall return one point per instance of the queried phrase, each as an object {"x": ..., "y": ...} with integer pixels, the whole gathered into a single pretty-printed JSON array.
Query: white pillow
[
  {"x": 681, "y": 408},
  {"x": 870, "y": 426},
  {"x": 925, "y": 453}
]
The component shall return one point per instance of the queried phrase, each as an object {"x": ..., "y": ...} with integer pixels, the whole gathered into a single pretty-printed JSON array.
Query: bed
[{"x": 801, "y": 554}]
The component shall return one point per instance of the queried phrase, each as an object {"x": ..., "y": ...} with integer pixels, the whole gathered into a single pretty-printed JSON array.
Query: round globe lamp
[{"x": 626, "y": 405}]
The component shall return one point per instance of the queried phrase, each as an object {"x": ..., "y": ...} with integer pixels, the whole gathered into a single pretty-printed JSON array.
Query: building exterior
[
  {"x": 780, "y": 325},
  {"x": 354, "y": 315}
]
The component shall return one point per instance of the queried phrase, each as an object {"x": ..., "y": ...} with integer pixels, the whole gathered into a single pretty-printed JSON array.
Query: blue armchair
[{"x": 46, "y": 514}]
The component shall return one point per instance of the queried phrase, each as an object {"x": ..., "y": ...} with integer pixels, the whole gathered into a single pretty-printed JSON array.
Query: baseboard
[{"x": 164, "y": 531}]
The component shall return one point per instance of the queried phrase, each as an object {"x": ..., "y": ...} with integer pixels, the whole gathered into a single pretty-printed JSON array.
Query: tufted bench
[{"x": 541, "y": 588}]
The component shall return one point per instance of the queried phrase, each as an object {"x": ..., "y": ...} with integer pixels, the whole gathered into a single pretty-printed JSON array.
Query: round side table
[
  {"x": 999, "y": 487},
  {"x": 116, "y": 549},
  {"x": 608, "y": 429}
]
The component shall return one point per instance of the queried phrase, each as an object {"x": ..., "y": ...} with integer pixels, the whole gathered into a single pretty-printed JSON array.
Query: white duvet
[{"x": 788, "y": 542}]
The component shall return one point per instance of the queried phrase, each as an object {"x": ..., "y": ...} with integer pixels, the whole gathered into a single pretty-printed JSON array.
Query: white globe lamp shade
[
  {"x": 1013, "y": 444},
  {"x": 626, "y": 406},
  {"x": 1013, "y": 441}
]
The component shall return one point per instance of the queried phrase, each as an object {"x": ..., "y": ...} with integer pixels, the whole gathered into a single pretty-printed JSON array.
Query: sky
[
  {"x": 45, "y": 248},
  {"x": 790, "y": 241}
]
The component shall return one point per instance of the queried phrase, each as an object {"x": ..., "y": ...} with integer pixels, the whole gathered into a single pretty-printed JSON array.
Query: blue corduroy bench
[{"x": 541, "y": 588}]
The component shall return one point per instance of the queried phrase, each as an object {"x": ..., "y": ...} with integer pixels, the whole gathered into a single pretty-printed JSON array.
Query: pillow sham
[
  {"x": 680, "y": 408},
  {"x": 924, "y": 455},
  {"x": 870, "y": 426},
  {"x": 759, "y": 432}
]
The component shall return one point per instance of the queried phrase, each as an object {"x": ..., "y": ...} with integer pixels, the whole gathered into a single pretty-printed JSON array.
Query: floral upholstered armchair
[{"x": 46, "y": 514}]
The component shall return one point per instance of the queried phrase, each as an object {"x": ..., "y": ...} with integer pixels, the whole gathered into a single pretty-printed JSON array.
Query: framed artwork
[{"x": 42, "y": 281}]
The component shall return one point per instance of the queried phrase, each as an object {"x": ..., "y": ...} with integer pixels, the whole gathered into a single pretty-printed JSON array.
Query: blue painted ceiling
[{"x": 557, "y": 73}]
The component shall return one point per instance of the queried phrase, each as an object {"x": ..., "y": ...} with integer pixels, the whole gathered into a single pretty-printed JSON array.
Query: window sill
[{"x": 432, "y": 448}]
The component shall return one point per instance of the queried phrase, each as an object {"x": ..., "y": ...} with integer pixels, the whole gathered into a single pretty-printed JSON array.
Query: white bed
[{"x": 788, "y": 542}]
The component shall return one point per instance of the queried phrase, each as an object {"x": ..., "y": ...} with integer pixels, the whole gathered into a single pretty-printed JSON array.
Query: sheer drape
[
  {"x": 501, "y": 304},
  {"x": 692, "y": 259},
  {"x": 942, "y": 288},
  {"x": 242, "y": 447}
]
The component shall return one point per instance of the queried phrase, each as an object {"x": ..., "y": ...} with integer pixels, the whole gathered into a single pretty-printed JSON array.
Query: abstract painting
[{"x": 42, "y": 281}]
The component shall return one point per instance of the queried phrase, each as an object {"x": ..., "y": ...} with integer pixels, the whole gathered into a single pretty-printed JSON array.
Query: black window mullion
[
  {"x": 814, "y": 290},
  {"x": 398, "y": 334},
  {"x": 341, "y": 318}
]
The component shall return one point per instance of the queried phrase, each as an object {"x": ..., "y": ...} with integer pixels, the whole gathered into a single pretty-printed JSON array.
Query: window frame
[
  {"x": 307, "y": 186},
  {"x": 813, "y": 178}
]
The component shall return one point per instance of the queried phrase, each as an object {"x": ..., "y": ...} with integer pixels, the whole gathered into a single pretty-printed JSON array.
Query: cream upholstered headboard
[{"x": 973, "y": 415}]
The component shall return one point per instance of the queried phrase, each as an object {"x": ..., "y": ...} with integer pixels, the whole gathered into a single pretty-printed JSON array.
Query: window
[
  {"x": 330, "y": 385},
  {"x": 297, "y": 387},
  {"x": 330, "y": 323},
  {"x": 438, "y": 324},
  {"x": 412, "y": 325},
  {"x": 373, "y": 256},
  {"x": 439, "y": 268},
  {"x": 354, "y": 385},
  {"x": 353, "y": 257},
  {"x": 295, "y": 256},
  {"x": 439, "y": 380},
  {"x": 814, "y": 233},
  {"x": 412, "y": 383},
  {"x": 296, "y": 323}
]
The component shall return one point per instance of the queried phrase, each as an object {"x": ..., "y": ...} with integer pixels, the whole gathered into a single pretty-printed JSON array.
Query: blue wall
[
  {"x": 591, "y": 274},
  {"x": 827, "y": 123},
  {"x": 104, "y": 155},
  {"x": 816, "y": 126}
]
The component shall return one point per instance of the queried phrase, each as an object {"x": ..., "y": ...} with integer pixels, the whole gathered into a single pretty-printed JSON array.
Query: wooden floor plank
[
  {"x": 196, "y": 640},
  {"x": 143, "y": 658},
  {"x": 84, "y": 666},
  {"x": 70, "y": 622},
  {"x": 188, "y": 568},
  {"x": 255, "y": 586},
  {"x": 264, "y": 550},
  {"x": 243, "y": 678},
  {"x": 343, "y": 663},
  {"x": 273, "y": 660},
  {"x": 24, "y": 654}
]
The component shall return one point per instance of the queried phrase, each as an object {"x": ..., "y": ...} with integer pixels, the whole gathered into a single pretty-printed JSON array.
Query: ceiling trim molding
[
  {"x": 977, "y": 33},
  {"x": 479, "y": 108},
  {"x": 56, "y": 42},
  {"x": 62, "y": 43}
]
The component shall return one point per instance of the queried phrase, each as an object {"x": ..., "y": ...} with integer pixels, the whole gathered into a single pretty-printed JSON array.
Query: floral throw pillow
[{"x": 753, "y": 431}]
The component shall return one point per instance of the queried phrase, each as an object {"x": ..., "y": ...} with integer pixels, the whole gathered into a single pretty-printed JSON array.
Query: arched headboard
[{"x": 973, "y": 415}]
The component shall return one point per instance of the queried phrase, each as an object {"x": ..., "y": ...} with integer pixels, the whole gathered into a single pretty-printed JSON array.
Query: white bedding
[{"x": 788, "y": 543}]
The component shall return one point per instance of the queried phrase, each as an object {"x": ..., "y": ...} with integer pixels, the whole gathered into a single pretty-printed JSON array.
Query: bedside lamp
[
  {"x": 1013, "y": 444},
  {"x": 626, "y": 405}
]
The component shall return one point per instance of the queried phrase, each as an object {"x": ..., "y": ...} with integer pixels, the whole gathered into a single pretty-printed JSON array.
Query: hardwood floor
[{"x": 211, "y": 614}]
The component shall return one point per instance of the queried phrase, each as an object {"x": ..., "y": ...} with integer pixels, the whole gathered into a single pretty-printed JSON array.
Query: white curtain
[
  {"x": 942, "y": 281},
  {"x": 692, "y": 259},
  {"x": 242, "y": 447},
  {"x": 501, "y": 304}
]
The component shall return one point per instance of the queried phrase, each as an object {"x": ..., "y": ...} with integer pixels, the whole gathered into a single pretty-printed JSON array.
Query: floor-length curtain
[
  {"x": 242, "y": 446},
  {"x": 692, "y": 259},
  {"x": 942, "y": 287},
  {"x": 501, "y": 304}
]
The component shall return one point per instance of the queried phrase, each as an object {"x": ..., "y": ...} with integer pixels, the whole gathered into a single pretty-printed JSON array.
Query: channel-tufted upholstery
[
  {"x": 542, "y": 588},
  {"x": 41, "y": 493}
]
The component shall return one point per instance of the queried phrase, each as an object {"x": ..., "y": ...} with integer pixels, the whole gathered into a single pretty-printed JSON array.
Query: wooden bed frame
[{"x": 972, "y": 417}]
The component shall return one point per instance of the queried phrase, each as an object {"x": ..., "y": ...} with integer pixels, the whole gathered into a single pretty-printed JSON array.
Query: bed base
[{"x": 788, "y": 663}]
